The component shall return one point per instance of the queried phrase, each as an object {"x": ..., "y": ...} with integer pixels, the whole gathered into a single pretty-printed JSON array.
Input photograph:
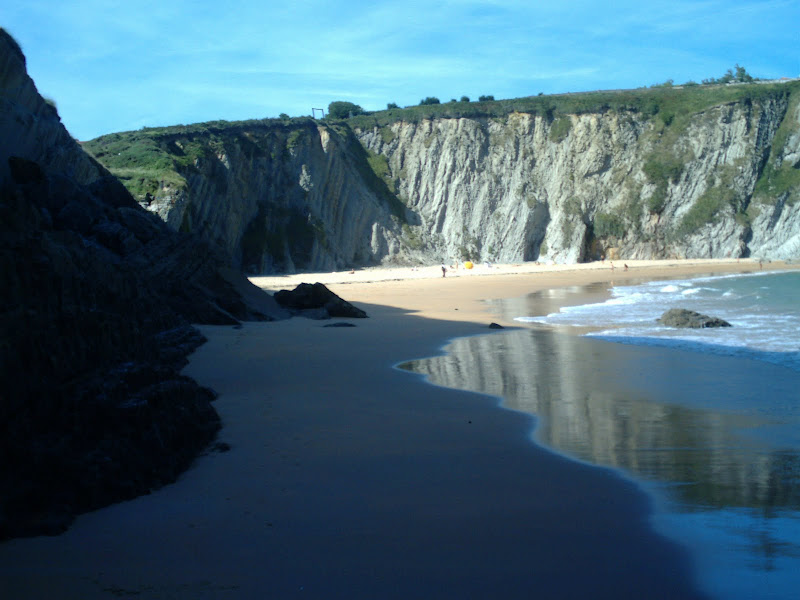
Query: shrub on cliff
[
  {"x": 343, "y": 110},
  {"x": 609, "y": 225},
  {"x": 740, "y": 76}
]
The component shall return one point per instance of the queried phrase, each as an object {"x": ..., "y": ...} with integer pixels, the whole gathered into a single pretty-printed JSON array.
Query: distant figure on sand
[
  {"x": 444, "y": 270},
  {"x": 626, "y": 266}
]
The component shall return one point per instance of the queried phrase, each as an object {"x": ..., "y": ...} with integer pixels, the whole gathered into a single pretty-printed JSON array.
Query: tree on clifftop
[
  {"x": 740, "y": 76},
  {"x": 343, "y": 110}
]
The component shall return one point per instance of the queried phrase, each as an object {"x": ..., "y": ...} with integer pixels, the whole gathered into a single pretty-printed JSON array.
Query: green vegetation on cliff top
[
  {"x": 153, "y": 158},
  {"x": 666, "y": 102}
]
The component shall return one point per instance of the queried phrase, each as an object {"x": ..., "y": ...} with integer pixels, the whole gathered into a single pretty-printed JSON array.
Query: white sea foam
[{"x": 762, "y": 308}]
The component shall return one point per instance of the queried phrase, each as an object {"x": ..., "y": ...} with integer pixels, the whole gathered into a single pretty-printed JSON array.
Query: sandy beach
[
  {"x": 348, "y": 478},
  {"x": 463, "y": 296}
]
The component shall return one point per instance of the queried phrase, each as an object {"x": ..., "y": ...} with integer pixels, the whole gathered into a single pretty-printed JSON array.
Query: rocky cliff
[
  {"x": 703, "y": 172},
  {"x": 277, "y": 196},
  {"x": 96, "y": 297},
  {"x": 624, "y": 183}
]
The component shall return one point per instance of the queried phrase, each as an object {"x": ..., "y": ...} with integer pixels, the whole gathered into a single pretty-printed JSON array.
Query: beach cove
[{"x": 348, "y": 478}]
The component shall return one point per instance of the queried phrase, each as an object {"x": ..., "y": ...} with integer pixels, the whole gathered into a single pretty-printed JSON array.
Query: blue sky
[{"x": 121, "y": 65}]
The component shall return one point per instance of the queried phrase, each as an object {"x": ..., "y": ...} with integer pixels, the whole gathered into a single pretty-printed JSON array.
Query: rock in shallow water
[{"x": 683, "y": 318}]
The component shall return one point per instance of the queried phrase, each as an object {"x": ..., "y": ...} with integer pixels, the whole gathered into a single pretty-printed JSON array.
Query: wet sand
[{"x": 347, "y": 478}]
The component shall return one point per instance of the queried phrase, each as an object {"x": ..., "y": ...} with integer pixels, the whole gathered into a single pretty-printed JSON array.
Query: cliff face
[
  {"x": 96, "y": 297},
  {"x": 582, "y": 186},
  {"x": 276, "y": 197},
  {"x": 704, "y": 180}
]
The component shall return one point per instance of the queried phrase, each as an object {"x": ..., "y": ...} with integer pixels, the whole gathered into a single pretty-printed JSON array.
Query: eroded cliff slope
[{"x": 702, "y": 172}]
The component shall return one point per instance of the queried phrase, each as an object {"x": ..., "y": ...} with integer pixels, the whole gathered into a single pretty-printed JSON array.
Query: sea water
[
  {"x": 708, "y": 421},
  {"x": 763, "y": 309},
  {"x": 746, "y": 545}
]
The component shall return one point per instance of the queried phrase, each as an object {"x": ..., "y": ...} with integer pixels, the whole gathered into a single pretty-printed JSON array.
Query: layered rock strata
[
  {"x": 708, "y": 173},
  {"x": 616, "y": 184}
]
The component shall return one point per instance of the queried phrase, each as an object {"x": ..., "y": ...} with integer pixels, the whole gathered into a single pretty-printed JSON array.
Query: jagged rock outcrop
[
  {"x": 31, "y": 127},
  {"x": 96, "y": 300},
  {"x": 707, "y": 173},
  {"x": 683, "y": 319}
]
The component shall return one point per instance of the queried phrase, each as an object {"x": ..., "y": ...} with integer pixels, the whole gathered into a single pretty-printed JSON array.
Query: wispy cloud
[{"x": 114, "y": 65}]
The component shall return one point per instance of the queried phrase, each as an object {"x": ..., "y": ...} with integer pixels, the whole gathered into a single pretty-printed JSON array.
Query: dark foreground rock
[
  {"x": 96, "y": 300},
  {"x": 317, "y": 302},
  {"x": 680, "y": 317}
]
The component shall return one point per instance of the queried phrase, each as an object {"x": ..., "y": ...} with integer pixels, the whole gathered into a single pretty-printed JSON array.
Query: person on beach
[{"x": 444, "y": 270}]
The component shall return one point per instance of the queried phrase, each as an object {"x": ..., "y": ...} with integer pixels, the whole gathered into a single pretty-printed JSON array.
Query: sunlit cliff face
[{"x": 715, "y": 182}]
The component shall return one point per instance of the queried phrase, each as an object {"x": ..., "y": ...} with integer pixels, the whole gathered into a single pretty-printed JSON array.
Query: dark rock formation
[
  {"x": 96, "y": 301},
  {"x": 317, "y": 302},
  {"x": 495, "y": 326},
  {"x": 680, "y": 317}
]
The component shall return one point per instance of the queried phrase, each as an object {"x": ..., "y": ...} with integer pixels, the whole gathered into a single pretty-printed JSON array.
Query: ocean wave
[{"x": 762, "y": 322}]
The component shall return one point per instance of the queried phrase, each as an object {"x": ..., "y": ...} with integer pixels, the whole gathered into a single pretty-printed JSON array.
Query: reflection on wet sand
[
  {"x": 716, "y": 435},
  {"x": 592, "y": 402}
]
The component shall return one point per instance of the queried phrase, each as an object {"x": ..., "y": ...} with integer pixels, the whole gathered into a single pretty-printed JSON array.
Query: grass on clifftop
[
  {"x": 156, "y": 157},
  {"x": 664, "y": 102},
  {"x": 138, "y": 160},
  {"x": 153, "y": 159}
]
